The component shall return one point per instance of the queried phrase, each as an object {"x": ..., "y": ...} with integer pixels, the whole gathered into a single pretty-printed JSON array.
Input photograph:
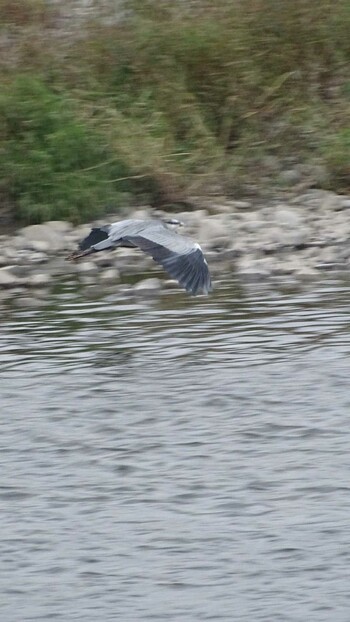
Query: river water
[{"x": 177, "y": 458}]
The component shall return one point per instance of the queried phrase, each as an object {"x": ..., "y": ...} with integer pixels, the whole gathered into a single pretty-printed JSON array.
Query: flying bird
[{"x": 180, "y": 257}]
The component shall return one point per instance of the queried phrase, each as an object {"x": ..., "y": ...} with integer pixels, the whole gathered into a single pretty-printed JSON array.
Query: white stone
[
  {"x": 102, "y": 259},
  {"x": 43, "y": 233},
  {"x": 345, "y": 203},
  {"x": 328, "y": 254},
  {"x": 271, "y": 236},
  {"x": 87, "y": 279},
  {"x": 86, "y": 267},
  {"x": 18, "y": 270},
  {"x": 79, "y": 233},
  {"x": 252, "y": 268},
  {"x": 37, "y": 257},
  {"x": 330, "y": 201},
  {"x": 152, "y": 285},
  {"x": 41, "y": 246},
  {"x": 61, "y": 226},
  {"x": 306, "y": 273},
  {"x": 39, "y": 280},
  {"x": 7, "y": 279},
  {"x": 170, "y": 284},
  {"x": 290, "y": 177},
  {"x": 17, "y": 242},
  {"x": 241, "y": 205},
  {"x": 28, "y": 302},
  {"x": 124, "y": 252},
  {"x": 141, "y": 214},
  {"x": 283, "y": 267},
  {"x": 253, "y": 226},
  {"x": 109, "y": 275},
  {"x": 215, "y": 233},
  {"x": 294, "y": 238},
  {"x": 286, "y": 217}
]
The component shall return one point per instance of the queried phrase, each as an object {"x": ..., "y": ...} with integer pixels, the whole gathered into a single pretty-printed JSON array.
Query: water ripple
[{"x": 177, "y": 459}]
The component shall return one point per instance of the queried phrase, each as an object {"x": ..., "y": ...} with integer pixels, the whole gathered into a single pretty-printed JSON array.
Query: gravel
[{"x": 299, "y": 239}]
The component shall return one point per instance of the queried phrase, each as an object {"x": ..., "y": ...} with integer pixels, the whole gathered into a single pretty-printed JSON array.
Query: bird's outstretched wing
[{"x": 179, "y": 256}]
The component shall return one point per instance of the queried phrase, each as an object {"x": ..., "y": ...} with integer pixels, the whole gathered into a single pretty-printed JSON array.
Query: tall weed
[{"x": 175, "y": 96}]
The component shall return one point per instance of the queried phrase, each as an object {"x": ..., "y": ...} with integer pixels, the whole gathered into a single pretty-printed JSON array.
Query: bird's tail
[{"x": 96, "y": 235}]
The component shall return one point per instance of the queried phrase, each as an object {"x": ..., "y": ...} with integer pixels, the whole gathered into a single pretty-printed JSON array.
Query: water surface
[{"x": 177, "y": 458}]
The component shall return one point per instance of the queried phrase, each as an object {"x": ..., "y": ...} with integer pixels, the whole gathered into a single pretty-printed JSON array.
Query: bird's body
[{"x": 182, "y": 258}]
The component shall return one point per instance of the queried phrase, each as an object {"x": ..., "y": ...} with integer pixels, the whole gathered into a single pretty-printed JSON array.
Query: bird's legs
[{"x": 95, "y": 248}]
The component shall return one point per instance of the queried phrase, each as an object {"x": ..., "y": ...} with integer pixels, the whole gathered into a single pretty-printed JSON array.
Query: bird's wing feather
[
  {"x": 131, "y": 226},
  {"x": 180, "y": 257},
  {"x": 96, "y": 235}
]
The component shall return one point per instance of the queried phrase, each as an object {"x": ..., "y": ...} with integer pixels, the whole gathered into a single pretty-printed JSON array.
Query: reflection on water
[{"x": 177, "y": 458}]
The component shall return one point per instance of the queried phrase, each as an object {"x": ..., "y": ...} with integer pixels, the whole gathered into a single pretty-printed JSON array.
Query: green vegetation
[
  {"x": 176, "y": 98},
  {"x": 55, "y": 166}
]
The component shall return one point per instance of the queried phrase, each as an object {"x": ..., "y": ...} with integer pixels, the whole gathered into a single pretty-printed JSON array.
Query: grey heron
[{"x": 180, "y": 257}]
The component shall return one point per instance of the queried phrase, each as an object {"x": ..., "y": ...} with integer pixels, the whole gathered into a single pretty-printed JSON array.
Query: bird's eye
[{"x": 174, "y": 221}]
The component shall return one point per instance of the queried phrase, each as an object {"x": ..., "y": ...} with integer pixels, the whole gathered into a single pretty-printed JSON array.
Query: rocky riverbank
[{"x": 295, "y": 239}]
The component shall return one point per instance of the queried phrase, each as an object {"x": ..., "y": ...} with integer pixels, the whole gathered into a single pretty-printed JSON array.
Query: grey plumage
[{"x": 182, "y": 258}]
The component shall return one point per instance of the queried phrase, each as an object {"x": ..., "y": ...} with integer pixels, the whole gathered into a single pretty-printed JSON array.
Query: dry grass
[{"x": 187, "y": 95}]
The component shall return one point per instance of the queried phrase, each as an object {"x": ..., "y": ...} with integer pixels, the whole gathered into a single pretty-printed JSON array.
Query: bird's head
[{"x": 173, "y": 223}]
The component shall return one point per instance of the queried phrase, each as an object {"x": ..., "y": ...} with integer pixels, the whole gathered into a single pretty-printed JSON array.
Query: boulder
[
  {"x": 41, "y": 279},
  {"x": 290, "y": 177},
  {"x": 40, "y": 246},
  {"x": 19, "y": 270},
  {"x": 3, "y": 261},
  {"x": 60, "y": 226},
  {"x": 252, "y": 269},
  {"x": 37, "y": 258},
  {"x": 215, "y": 233},
  {"x": 298, "y": 237},
  {"x": 7, "y": 279},
  {"x": 44, "y": 234},
  {"x": 29, "y": 302},
  {"x": 286, "y": 217},
  {"x": 306, "y": 273},
  {"x": 109, "y": 275},
  {"x": 345, "y": 203},
  {"x": 85, "y": 267},
  {"x": 148, "y": 286}
]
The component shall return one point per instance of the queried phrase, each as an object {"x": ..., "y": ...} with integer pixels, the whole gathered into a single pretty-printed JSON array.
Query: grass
[{"x": 174, "y": 99}]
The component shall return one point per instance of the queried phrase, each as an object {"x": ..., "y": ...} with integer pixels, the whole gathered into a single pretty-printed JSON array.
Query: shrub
[
  {"x": 55, "y": 163},
  {"x": 175, "y": 96}
]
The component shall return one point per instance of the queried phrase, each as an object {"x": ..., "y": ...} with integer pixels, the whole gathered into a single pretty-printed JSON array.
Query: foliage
[
  {"x": 54, "y": 164},
  {"x": 177, "y": 96}
]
